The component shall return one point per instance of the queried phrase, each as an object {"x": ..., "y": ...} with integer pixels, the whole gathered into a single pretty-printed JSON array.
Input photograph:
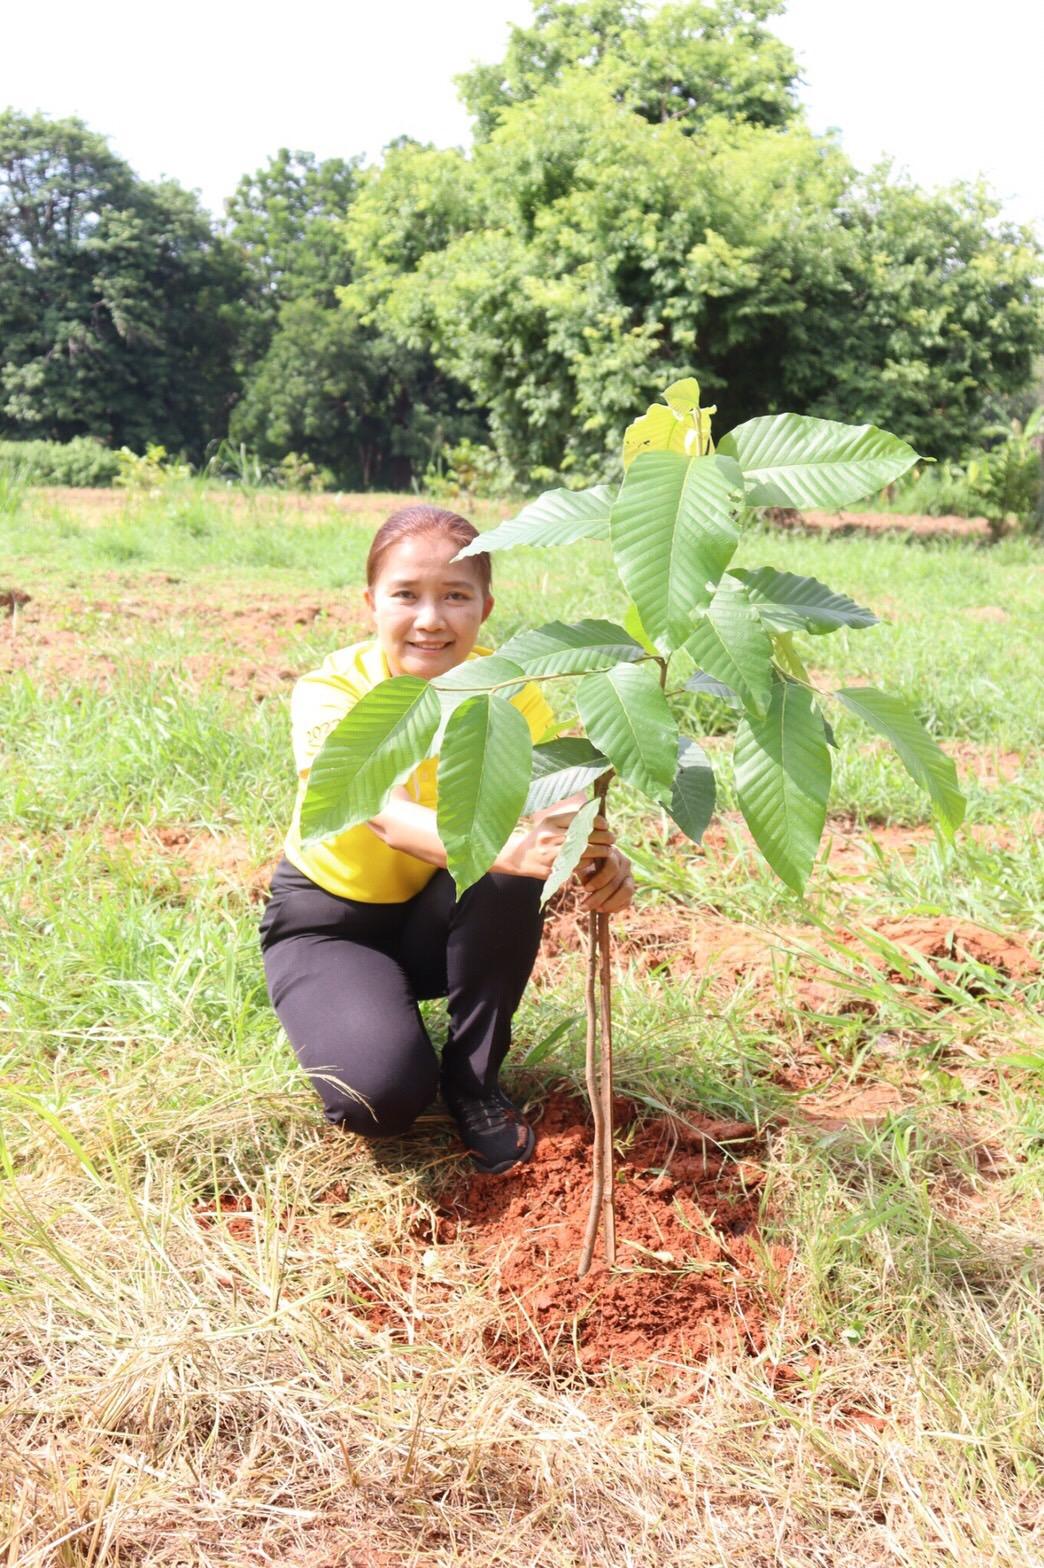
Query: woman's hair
[{"x": 409, "y": 522}]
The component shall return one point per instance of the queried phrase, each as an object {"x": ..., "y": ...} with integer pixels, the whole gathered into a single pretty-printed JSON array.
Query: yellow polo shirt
[{"x": 357, "y": 864}]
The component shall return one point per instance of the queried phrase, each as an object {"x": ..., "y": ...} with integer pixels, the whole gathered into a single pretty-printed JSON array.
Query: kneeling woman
[{"x": 361, "y": 927}]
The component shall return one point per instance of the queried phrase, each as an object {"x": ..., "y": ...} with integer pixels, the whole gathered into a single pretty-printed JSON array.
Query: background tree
[
  {"x": 317, "y": 379},
  {"x": 589, "y": 251},
  {"x": 119, "y": 308},
  {"x": 689, "y": 61}
]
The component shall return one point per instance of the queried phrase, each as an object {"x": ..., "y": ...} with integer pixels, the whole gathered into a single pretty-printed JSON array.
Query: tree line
[{"x": 643, "y": 200}]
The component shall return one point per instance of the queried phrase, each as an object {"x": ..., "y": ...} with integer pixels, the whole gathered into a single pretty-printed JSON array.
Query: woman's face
[{"x": 427, "y": 611}]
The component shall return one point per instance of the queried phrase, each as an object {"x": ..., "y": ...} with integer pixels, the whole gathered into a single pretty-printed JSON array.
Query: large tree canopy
[
  {"x": 119, "y": 308},
  {"x": 588, "y": 254},
  {"x": 687, "y": 62}
]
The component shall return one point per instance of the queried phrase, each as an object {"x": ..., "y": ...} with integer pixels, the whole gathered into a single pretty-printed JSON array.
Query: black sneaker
[{"x": 496, "y": 1133}]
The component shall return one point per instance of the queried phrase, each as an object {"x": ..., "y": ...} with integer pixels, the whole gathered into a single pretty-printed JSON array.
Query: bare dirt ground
[
  {"x": 882, "y": 523},
  {"x": 78, "y": 638}
]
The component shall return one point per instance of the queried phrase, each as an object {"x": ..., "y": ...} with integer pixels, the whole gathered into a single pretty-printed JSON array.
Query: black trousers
[{"x": 345, "y": 979}]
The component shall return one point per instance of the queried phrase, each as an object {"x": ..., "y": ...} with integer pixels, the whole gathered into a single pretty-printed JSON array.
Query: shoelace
[{"x": 490, "y": 1113}]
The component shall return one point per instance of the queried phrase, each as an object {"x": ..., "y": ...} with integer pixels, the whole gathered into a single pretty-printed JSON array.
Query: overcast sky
[{"x": 206, "y": 92}]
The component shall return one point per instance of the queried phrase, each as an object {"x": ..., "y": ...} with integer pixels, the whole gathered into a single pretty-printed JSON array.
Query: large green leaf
[
  {"x": 702, "y": 682},
  {"x": 556, "y": 517},
  {"x": 793, "y": 460},
  {"x": 692, "y": 799},
  {"x": 783, "y": 780},
  {"x": 562, "y": 768},
  {"x": 625, "y": 713},
  {"x": 482, "y": 781},
  {"x": 568, "y": 857},
  {"x": 558, "y": 649},
  {"x": 375, "y": 746},
  {"x": 674, "y": 532},
  {"x": 730, "y": 643},
  {"x": 787, "y": 602},
  {"x": 931, "y": 768}
]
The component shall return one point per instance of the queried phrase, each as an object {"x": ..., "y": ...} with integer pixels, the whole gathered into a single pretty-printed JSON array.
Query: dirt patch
[
  {"x": 248, "y": 645},
  {"x": 693, "y": 1277},
  {"x": 987, "y": 613},
  {"x": 960, "y": 942},
  {"x": 987, "y": 766},
  {"x": 675, "y": 942},
  {"x": 191, "y": 855},
  {"x": 880, "y": 523}
]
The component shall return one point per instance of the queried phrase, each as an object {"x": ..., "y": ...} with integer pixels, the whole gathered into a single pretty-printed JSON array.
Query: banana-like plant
[{"x": 673, "y": 526}]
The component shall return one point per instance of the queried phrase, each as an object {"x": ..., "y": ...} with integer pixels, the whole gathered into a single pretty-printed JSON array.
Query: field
[{"x": 229, "y": 1335}]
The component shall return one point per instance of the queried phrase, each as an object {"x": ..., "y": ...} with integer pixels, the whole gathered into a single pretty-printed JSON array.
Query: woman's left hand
[{"x": 607, "y": 882}]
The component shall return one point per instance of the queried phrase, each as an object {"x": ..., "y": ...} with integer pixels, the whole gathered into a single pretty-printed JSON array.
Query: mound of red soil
[{"x": 692, "y": 1279}]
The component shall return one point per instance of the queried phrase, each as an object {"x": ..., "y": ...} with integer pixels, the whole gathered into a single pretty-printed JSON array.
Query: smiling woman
[{"x": 363, "y": 925}]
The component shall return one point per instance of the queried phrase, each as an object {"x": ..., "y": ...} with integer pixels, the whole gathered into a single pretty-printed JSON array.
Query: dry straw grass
[{"x": 187, "y": 1384}]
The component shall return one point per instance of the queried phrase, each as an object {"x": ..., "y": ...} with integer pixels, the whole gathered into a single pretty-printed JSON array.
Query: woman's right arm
[{"x": 529, "y": 852}]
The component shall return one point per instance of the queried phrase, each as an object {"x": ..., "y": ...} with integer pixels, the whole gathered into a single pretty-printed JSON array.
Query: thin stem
[
  {"x": 606, "y": 1063},
  {"x": 594, "y": 1095}
]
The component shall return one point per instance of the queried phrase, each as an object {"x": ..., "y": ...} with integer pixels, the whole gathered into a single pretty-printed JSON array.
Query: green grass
[{"x": 184, "y": 1392}]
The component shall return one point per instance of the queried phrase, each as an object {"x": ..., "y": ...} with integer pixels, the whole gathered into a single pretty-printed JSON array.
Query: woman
[{"x": 361, "y": 927}]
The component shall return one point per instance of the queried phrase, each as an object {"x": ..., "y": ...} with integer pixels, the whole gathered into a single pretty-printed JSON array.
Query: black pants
[{"x": 345, "y": 978}]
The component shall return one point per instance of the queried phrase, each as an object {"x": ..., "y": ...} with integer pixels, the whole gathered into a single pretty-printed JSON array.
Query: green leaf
[
  {"x": 556, "y": 517},
  {"x": 729, "y": 642},
  {"x": 674, "y": 532},
  {"x": 692, "y": 799},
  {"x": 793, "y": 460},
  {"x": 482, "y": 781},
  {"x": 558, "y": 649},
  {"x": 563, "y": 768},
  {"x": 702, "y": 682},
  {"x": 376, "y": 745},
  {"x": 625, "y": 713},
  {"x": 790, "y": 603},
  {"x": 466, "y": 680},
  {"x": 783, "y": 780},
  {"x": 568, "y": 858},
  {"x": 929, "y": 767},
  {"x": 632, "y": 622}
]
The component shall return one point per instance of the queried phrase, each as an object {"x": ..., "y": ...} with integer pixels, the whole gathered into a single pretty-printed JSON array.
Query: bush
[
  {"x": 1005, "y": 479},
  {"x": 81, "y": 462},
  {"x": 150, "y": 472}
]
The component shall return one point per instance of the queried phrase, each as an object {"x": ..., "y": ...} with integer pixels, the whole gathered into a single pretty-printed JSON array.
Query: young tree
[{"x": 673, "y": 526}]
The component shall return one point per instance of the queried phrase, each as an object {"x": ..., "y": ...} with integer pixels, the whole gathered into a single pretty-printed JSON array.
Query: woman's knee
[{"x": 384, "y": 1107}]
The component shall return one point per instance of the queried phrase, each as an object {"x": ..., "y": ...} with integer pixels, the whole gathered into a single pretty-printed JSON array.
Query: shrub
[
  {"x": 152, "y": 471},
  {"x": 82, "y": 461},
  {"x": 1005, "y": 479}
]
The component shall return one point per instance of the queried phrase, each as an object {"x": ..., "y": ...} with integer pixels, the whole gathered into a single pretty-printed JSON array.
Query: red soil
[
  {"x": 250, "y": 645},
  {"x": 686, "y": 943},
  {"x": 881, "y": 523},
  {"x": 693, "y": 1279}
]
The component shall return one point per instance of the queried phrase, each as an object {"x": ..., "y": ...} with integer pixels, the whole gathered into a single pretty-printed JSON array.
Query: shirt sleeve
[{"x": 318, "y": 703}]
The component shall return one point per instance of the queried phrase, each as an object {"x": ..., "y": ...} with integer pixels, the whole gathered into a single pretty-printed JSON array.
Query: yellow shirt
[{"x": 357, "y": 864}]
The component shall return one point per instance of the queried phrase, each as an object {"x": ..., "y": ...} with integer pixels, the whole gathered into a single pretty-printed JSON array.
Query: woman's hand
[
  {"x": 532, "y": 852},
  {"x": 605, "y": 873}
]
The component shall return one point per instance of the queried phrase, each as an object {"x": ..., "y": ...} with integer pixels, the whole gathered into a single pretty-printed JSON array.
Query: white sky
[{"x": 206, "y": 92}]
